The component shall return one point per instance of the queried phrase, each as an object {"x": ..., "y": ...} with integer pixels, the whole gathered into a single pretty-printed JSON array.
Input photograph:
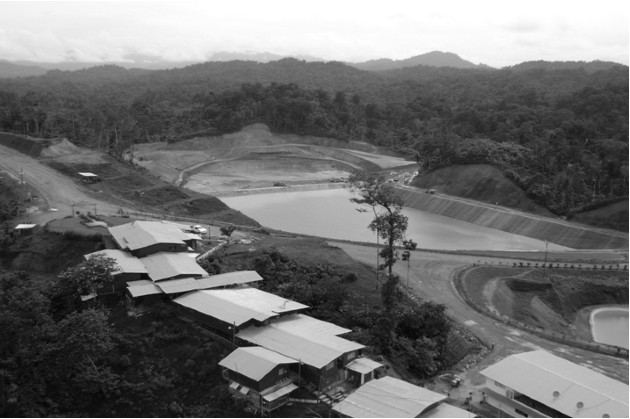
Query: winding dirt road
[{"x": 56, "y": 190}]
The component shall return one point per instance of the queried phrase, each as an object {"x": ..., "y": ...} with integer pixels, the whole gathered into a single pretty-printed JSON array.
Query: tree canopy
[{"x": 560, "y": 132}]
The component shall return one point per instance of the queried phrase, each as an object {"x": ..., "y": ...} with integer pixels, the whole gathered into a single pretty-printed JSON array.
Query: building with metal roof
[
  {"x": 166, "y": 265},
  {"x": 539, "y": 383},
  {"x": 362, "y": 370},
  {"x": 138, "y": 289},
  {"x": 389, "y": 397},
  {"x": 301, "y": 323},
  {"x": 261, "y": 377},
  {"x": 143, "y": 288},
  {"x": 229, "y": 310},
  {"x": 126, "y": 263},
  {"x": 254, "y": 362},
  {"x": 144, "y": 238},
  {"x": 317, "y": 351},
  {"x": 323, "y": 357}
]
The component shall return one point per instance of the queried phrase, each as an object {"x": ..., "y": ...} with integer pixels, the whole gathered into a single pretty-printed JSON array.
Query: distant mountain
[
  {"x": 259, "y": 57},
  {"x": 10, "y": 70},
  {"x": 589, "y": 67},
  {"x": 154, "y": 64},
  {"x": 430, "y": 59}
]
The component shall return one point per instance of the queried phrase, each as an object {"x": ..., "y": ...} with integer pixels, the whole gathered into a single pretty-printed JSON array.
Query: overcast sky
[{"x": 497, "y": 33}]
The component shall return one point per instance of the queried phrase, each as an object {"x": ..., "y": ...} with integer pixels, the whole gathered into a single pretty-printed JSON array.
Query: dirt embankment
[
  {"x": 557, "y": 232},
  {"x": 24, "y": 144},
  {"x": 553, "y": 300}
]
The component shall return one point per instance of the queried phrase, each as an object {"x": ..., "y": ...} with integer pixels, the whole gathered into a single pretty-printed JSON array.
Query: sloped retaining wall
[{"x": 556, "y": 232}]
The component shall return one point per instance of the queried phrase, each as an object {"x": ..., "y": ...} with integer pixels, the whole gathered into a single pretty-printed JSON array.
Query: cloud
[{"x": 498, "y": 33}]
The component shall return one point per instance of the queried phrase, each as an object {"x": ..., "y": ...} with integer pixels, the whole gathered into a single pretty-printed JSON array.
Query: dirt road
[
  {"x": 430, "y": 277},
  {"x": 55, "y": 190}
]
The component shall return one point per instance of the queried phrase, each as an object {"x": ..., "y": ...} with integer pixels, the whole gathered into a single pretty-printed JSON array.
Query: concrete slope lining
[{"x": 576, "y": 237}]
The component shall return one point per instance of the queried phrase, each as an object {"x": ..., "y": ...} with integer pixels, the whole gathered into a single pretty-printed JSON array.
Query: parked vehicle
[{"x": 198, "y": 229}]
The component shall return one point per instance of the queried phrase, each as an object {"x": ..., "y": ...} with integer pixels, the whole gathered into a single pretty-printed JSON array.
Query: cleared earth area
[{"x": 256, "y": 158}]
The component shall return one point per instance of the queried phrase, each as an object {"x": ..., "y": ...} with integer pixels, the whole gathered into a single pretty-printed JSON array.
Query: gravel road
[{"x": 56, "y": 190}]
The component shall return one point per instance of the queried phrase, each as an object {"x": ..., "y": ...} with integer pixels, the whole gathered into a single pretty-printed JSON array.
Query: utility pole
[
  {"x": 141, "y": 195},
  {"x": 546, "y": 248},
  {"x": 22, "y": 196}
]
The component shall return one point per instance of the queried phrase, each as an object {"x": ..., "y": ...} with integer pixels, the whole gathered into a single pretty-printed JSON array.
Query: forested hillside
[{"x": 560, "y": 132}]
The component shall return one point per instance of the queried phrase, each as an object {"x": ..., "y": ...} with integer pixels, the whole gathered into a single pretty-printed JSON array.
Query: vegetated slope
[
  {"x": 536, "y": 227},
  {"x": 613, "y": 216},
  {"x": 480, "y": 182}
]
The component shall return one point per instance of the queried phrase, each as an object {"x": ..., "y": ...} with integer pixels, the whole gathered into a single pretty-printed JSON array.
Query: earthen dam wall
[{"x": 558, "y": 232}]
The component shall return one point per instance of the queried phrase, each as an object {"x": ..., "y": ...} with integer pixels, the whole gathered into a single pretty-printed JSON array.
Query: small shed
[
  {"x": 25, "y": 229},
  {"x": 89, "y": 177},
  {"x": 362, "y": 370}
]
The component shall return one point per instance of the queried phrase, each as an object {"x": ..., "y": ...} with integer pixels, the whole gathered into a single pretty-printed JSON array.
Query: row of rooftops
[
  {"x": 158, "y": 266},
  {"x": 289, "y": 336}
]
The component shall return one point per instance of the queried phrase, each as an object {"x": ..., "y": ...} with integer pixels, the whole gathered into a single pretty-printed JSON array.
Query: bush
[{"x": 350, "y": 277}]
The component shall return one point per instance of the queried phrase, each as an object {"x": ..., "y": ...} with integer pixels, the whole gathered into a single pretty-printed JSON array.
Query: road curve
[
  {"x": 58, "y": 191},
  {"x": 431, "y": 277}
]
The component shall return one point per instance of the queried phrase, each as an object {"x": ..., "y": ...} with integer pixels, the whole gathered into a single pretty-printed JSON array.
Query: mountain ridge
[{"x": 434, "y": 59}]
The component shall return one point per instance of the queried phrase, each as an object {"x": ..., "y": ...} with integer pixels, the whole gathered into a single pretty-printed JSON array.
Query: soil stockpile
[{"x": 564, "y": 234}]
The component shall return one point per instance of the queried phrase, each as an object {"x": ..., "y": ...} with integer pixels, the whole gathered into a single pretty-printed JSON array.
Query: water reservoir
[
  {"x": 329, "y": 213},
  {"x": 609, "y": 325}
]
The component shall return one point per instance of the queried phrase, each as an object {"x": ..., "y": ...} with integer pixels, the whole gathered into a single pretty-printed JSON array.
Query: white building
[{"x": 539, "y": 384}]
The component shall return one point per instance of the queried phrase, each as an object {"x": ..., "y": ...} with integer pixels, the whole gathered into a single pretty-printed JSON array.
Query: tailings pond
[{"x": 330, "y": 214}]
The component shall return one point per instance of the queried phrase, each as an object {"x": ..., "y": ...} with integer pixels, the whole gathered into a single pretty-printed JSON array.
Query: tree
[
  {"x": 389, "y": 223},
  {"x": 86, "y": 277},
  {"x": 228, "y": 230}
]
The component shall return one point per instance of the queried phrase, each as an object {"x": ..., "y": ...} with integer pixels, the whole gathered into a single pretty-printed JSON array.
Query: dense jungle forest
[{"x": 559, "y": 131}]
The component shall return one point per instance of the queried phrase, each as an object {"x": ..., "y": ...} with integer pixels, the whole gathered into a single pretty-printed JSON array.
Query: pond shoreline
[{"x": 583, "y": 320}]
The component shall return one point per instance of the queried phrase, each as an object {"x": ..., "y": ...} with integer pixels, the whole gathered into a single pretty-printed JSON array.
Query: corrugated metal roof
[
  {"x": 238, "y": 306},
  {"x": 254, "y": 362},
  {"x": 280, "y": 392},
  {"x": 140, "y": 234},
  {"x": 317, "y": 351},
  {"x": 127, "y": 263},
  {"x": 300, "y": 323},
  {"x": 540, "y": 374},
  {"x": 445, "y": 410},
  {"x": 175, "y": 286},
  {"x": 165, "y": 265},
  {"x": 363, "y": 365},
  {"x": 142, "y": 288},
  {"x": 388, "y": 397},
  {"x": 24, "y": 226}
]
